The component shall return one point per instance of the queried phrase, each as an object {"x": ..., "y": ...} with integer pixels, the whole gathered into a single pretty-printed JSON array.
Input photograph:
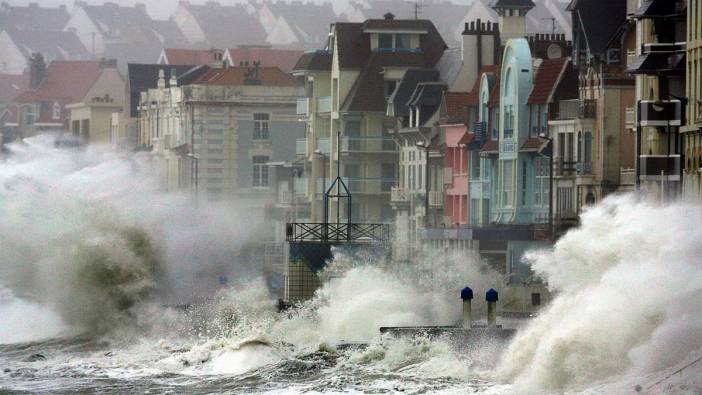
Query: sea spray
[
  {"x": 629, "y": 284},
  {"x": 88, "y": 234}
]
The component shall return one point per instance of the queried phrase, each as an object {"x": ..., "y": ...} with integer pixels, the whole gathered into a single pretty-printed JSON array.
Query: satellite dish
[{"x": 554, "y": 51}]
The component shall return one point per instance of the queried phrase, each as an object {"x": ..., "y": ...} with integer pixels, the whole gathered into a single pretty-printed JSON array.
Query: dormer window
[
  {"x": 394, "y": 41},
  {"x": 56, "y": 111}
]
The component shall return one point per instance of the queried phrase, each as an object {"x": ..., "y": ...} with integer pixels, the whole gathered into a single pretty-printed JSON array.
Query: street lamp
[
  {"x": 425, "y": 146},
  {"x": 549, "y": 139}
]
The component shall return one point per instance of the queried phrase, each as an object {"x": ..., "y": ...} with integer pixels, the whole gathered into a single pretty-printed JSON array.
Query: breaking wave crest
[{"x": 629, "y": 285}]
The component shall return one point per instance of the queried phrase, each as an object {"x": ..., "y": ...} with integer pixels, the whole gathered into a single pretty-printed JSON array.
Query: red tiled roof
[
  {"x": 546, "y": 80},
  {"x": 490, "y": 146},
  {"x": 66, "y": 81},
  {"x": 456, "y": 106},
  {"x": 474, "y": 94},
  {"x": 466, "y": 139},
  {"x": 269, "y": 76},
  {"x": 532, "y": 144},
  {"x": 192, "y": 57},
  {"x": 12, "y": 85},
  {"x": 284, "y": 59}
]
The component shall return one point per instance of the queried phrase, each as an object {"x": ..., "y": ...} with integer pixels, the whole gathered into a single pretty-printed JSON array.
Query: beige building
[
  {"x": 347, "y": 88},
  {"x": 692, "y": 132},
  {"x": 91, "y": 118}
]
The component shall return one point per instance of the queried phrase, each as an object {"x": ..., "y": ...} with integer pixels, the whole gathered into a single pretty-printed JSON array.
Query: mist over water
[{"x": 92, "y": 247}]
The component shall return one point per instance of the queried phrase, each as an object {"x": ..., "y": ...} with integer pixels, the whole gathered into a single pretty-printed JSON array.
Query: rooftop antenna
[{"x": 417, "y": 8}]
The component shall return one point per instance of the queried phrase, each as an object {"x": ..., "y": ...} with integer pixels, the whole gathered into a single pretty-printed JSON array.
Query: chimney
[
  {"x": 161, "y": 84},
  {"x": 37, "y": 70}
]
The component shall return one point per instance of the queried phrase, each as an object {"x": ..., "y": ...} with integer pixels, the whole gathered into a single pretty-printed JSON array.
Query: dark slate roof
[
  {"x": 533, "y": 144},
  {"x": 513, "y": 4},
  {"x": 660, "y": 9},
  {"x": 601, "y": 20},
  {"x": 142, "y": 77},
  {"x": 54, "y": 45},
  {"x": 33, "y": 17},
  {"x": 353, "y": 45},
  {"x": 227, "y": 26},
  {"x": 406, "y": 87},
  {"x": 314, "y": 61},
  {"x": 368, "y": 93},
  {"x": 427, "y": 94},
  {"x": 546, "y": 81},
  {"x": 399, "y": 24}
]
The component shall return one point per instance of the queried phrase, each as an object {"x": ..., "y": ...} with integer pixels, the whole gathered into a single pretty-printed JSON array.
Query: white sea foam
[{"x": 629, "y": 284}]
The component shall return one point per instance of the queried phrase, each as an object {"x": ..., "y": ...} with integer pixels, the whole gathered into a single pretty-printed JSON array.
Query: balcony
[
  {"x": 436, "y": 199},
  {"x": 660, "y": 58},
  {"x": 509, "y": 146},
  {"x": 301, "y": 147},
  {"x": 630, "y": 118},
  {"x": 399, "y": 195},
  {"x": 565, "y": 168},
  {"x": 660, "y": 113},
  {"x": 368, "y": 144},
  {"x": 324, "y": 145},
  {"x": 659, "y": 167},
  {"x": 448, "y": 175},
  {"x": 627, "y": 177},
  {"x": 577, "y": 109},
  {"x": 583, "y": 168},
  {"x": 303, "y": 106},
  {"x": 369, "y": 185},
  {"x": 324, "y": 104}
]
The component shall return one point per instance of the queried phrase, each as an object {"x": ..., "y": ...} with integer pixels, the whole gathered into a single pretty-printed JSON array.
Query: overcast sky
[{"x": 162, "y": 9}]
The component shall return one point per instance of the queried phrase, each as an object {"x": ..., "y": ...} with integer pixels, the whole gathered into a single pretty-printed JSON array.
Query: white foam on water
[
  {"x": 23, "y": 321},
  {"x": 629, "y": 285}
]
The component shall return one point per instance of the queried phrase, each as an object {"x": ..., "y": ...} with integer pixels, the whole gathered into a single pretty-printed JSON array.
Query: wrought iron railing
[{"x": 337, "y": 232}]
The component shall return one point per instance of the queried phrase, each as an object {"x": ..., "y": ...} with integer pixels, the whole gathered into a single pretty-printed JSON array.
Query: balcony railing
[
  {"x": 565, "y": 168},
  {"x": 509, "y": 145},
  {"x": 448, "y": 175},
  {"x": 324, "y": 104},
  {"x": 577, "y": 109},
  {"x": 661, "y": 113},
  {"x": 369, "y": 186},
  {"x": 368, "y": 144},
  {"x": 303, "y": 106},
  {"x": 631, "y": 118},
  {"x": 583, "y": 168},
  {"x": 436, "y": 199},
  {"x": 301, "y": 147},
  {"x": 398, "y": 195},
  {"x": 324, "y": 145},
  {"x": 627, "y": 177},
  {"x": 320, "y": 232}
]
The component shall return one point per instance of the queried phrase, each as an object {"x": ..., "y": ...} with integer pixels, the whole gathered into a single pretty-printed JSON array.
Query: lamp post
[
  {"x": 425, "y": 146},
  {"x": 549, "y": 139}
]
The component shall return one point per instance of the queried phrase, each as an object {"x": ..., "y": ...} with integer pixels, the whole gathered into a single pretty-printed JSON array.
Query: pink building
[{"x": 455, "y": 130}]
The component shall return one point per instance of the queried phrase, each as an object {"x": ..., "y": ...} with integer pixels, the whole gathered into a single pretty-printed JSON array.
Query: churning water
[{"x": 91, "y": 252}]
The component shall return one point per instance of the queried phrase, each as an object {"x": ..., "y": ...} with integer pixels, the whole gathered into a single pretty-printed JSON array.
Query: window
[
  {"x": 261, "y": 126},
  {"x": 56, "y": 111},
  {"x": 541, "y": 187},
  {"x": 507, "y": 192},
  {"x": 403, "y": 41},
  {"x": 385, "y": 40},
  {"x": 260, "y": 171}
]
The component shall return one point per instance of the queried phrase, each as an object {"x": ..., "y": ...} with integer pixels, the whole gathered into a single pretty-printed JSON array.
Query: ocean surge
[{"x": 629, "y": 285}]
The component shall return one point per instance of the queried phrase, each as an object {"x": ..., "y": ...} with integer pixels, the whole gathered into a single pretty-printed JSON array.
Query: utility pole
[{"x": 417, "y": 9}]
